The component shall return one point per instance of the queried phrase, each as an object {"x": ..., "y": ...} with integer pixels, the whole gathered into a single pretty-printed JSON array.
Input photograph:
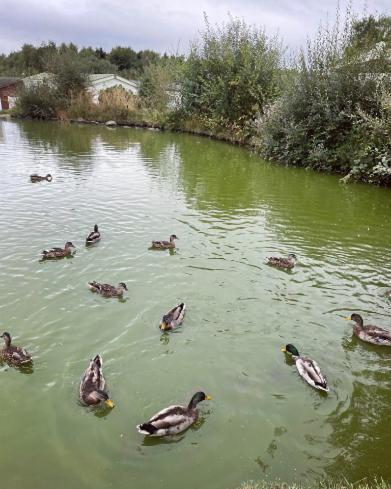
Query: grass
[{"x": 326, "y": 484}]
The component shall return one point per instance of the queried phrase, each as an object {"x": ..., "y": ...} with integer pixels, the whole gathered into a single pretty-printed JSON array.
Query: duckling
[
  {"x": 108, "y": 290},
  {"x": 54, "y": 253},
  {"x": 165, "y": 245},
  {"x": 280, "y": 262},
  {"x": 37, "y": 178},
  {"x": 173, "y": 419},
  {"x": 92, "y": 385},
  {"x": 173, "y": 318},
  {"x": 14, "y": 355},
  {"x": 94, "y": 236},
  {"x": 307, "y": 368},
  {"x": 369, "y": 333}
]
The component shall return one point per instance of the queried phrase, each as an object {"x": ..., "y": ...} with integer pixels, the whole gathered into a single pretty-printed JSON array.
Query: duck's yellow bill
[
  {"x": 162, "y": 326},
  {"x": 347, "y": 318},
  {"x": 208, "y": 398},
  {"x": 109, "y": 403},
  {"x": 283, "y": 349}
]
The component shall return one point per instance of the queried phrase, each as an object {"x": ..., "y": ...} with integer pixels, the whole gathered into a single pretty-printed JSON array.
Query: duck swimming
[
  {"x": 307, "y": 368},
  {"x": 54, "y": 253},
  {"x": 173, "y": 419},
  {"x": 14, "y": 355},
  {"x": 94, "y": 236},
  {"x": 280, "y": 262},
  {"x": 108, "y": 290},
  {"x": 370, "y": 334},
  {"x": 92, "y": 386},
  {"x": 165, "y": 245},
  {"x": 37, "y": 178},
  {"x": 173, "y": 318}
]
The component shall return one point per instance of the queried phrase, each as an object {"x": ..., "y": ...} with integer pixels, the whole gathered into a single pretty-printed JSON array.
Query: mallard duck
[
  {"x": 369, "y": 333},
  {"x": 388, "y": 294},
  {"x": 108, "y": 290},
  {"x": 173, "y": 318},
  {"x": 94, "y": 236},
  {"x": 283, "y": 262},
  {"x": 54, "y": 253},
  {"x": 173, "y": 419},
  {"x": 307, "y": 368},
  {"x": 37, "y": 178},
  {"x": 14, "y": 354},
  {"x": 165, "y": 245},
  {"x": 92, "y": 385}
]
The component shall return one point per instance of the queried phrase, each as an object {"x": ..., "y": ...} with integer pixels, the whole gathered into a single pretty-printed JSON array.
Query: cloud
[{"x": 167, "y": 25}]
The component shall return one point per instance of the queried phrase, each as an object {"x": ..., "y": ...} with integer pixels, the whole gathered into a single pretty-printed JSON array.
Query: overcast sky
[{"x": 161, "y": 25}]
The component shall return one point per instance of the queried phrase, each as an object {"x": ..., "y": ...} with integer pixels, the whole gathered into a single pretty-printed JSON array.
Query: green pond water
[{"x": 230, "y": 210}]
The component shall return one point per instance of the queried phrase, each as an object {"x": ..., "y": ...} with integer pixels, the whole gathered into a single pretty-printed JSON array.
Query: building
[
  {"x": 8, "y": 90},
  {"x": 99, "y": 82}
]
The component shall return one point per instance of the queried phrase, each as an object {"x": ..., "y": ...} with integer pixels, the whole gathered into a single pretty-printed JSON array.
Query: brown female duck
[
  {"x": 369, "y": 333},
  {"x": 14, "y": 355},
  {"x": 108, "y": 290},
  {"x": 165, "y": 245},
  {"x": 54, "y": 253},
  {"x": 280, "y": 262},
  {"x": 37, "y": 178}
]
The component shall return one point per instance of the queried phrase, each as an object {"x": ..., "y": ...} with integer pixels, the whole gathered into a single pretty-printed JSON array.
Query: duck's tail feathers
[
  {"x": 98, "y": 360},
  {"x": 146, "y": 429}
]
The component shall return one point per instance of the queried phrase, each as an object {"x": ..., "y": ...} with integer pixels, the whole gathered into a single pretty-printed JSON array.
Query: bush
[
  {"x": 39, "y": 102},
  {"x": 334, "y": 115},
  {"x": 231, "y": 75}
]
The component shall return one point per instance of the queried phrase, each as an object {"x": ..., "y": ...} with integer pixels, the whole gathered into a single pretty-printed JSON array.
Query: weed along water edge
[{"x": 231, "y": 211}]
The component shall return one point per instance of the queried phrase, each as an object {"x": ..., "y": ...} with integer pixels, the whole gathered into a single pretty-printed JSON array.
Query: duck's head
[
  {"x": 356, "y": 318},
  {"x": 292, "y": 256},
  {"x": 6, "y": 337},
  {"x": 122, "y": 285},
  {"x": 49, "y": 177},
  {"x": 291, "y": 350},
  {"x": 198, "y": 397},
  {"x": 173, "y": 237},
  {"x": 104, "y": 397},
  {"x": 165, "y": 323},
  {"x": 69, "y": 244},
  {"x": 95, "y": 228}
]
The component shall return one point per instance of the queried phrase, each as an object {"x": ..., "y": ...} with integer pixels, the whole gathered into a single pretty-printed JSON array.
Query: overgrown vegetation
[
  {"x": 329, "y": 109},
  {"x": 325, "y": 484}
]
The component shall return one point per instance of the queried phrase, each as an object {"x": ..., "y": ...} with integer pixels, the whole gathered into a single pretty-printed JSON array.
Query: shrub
[{"x": 39, "y": 102}]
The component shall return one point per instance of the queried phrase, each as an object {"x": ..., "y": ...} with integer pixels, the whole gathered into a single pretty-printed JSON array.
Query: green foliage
[
  {"x": 374, "y": 483},
  {"x": 159, "y": 84},
  {"x": 39, "y": 102},
  {"x": 231, "y": 74},
  {"x": 69, "y": 73},
  {"x": 333, "y": 115}
]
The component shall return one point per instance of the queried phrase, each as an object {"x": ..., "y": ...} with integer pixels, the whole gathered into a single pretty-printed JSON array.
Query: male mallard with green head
[
  {"x": 165, "y": 245},
  {"x": 37, "y": 178},
  {"x": 307, "y": 368},
  {"x": 280, "y": 262},
  {"x": 108, "y": 290},
  {"x": 92, "y": 386},
  {"x": 55, "y": 253},
  {"x": 94, "y": 236},
  {"x": 173, "y": 318},
  {"x": 369, "y": 333},
  {"x": 173, "y": 419},
  {"x": 14, "y": 355}
]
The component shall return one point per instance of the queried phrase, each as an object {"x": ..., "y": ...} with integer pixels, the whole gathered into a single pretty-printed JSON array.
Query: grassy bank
[
  {"x": 343, "y": 484},
  {"x": 328, "y": 109}
]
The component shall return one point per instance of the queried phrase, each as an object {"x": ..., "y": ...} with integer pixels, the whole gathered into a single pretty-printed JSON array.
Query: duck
[
  {"x": 281, "y": 262},
  {"x": 92, "y": 385},
  {"x": 173, "y": 419},
  {"x": 165, "y": 245},
  {"x": 173, "y": 318},
  {"x": 108, "y": 290},
  {"x": 94, "y": 236},
  {"x": 14, "y": 355},
  {"x": 370, "y": 334},
  {"x": 307, "y": 368},
  {"x": 54, "y": 253},
  {"x": 37, "y": 178}
]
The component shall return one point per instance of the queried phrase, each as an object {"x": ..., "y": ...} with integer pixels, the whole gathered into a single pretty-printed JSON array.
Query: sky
[{"x": 165, "y": 25}]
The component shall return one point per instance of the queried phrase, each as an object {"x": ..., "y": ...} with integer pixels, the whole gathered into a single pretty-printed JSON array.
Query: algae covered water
[{"x": 230, "y": 210}]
